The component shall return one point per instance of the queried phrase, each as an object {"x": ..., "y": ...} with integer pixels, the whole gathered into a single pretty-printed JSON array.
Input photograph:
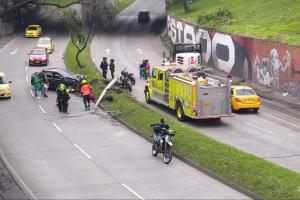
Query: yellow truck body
[{"x": 192, "y": 94}]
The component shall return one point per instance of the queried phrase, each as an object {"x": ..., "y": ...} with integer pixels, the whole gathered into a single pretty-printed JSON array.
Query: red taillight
[{"x": 237, "y": 99}]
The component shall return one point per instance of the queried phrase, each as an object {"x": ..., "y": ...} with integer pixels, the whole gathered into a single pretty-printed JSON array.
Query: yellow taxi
[
  {"x": 33, "y": 31},
  {"x": 244, "y": 97},
  {"x": 4, "y": 86},
  {"x": 47, "y": 43}
]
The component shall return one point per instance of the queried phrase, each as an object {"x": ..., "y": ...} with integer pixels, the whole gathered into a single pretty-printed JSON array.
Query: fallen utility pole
[{"x": 111, "y": 83}]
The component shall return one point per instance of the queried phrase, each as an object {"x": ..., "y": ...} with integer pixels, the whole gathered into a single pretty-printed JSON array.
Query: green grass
[
  {"x": 61, "y": 2},
  {"x": 123, "y": 4},
  {"x": 275, "y": 20},
  {"x": 258, "y": 175}
]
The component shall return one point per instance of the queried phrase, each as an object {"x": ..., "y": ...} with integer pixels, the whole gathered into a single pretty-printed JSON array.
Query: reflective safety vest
[{"x": 86, "y": 89}]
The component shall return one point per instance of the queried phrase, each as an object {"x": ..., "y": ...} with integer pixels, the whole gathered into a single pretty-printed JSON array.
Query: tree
[
  {"x": 80, "y": 34},
  {"x": 186, "y": 5},
  {"x": 98, "y": 14}
]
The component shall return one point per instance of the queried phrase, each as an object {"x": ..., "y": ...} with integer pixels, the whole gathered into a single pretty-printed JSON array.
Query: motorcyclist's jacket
[
  {"x": 104, "y": 65},
  {"x": 86, "y": 89},
  {"x": 161, "y": 129}
]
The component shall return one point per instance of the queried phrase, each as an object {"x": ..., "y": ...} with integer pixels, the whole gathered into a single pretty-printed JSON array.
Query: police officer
[{"x": 62, "y": 98}]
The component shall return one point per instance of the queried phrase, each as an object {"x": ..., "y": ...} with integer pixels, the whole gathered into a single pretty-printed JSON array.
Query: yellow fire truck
[{"x": 193, "y": 94}]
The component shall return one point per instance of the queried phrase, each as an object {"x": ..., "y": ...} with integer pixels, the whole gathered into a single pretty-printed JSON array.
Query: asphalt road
[
  {"x": 273, "y": 133},
  {"x": 83, "y": 155}
]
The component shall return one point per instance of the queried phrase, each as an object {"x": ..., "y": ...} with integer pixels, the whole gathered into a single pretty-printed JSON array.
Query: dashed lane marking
[
  {"x": 26, "y": 68},
  {"x": 82, "y": 151},
  {"x": 133, "y": 192},
  {"x": 281, "y": 119},
  {"x": 14, "y": 52},
  {"x": 107, "y": 51},
  {"x": 42, "y": 109},
  {"x": 26, "y": 79},
  {"x": 139, "y": 51},
  {"x": 55, "y": 125},
  {"x": 261, "y": 129}
]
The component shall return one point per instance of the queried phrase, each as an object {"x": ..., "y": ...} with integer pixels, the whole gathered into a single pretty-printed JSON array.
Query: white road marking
[
  {"x": 14, "y": 52},
  {"x": 26, "y": 68},
  {"x": 261, "y": 129},
  {"x": 26, "y": 79},
  {"x": 133, "y": 192},
  {"x": 107, "y": 51},
  {"x": 139, "y": 51},
  {"x": 7, "y": 44},
  {"x": 55, "y": 125},
  {"x": 31, "y": 92},
  {"x": 281, "y": 119},
  {"x": 82, "y": 151},
  {"x": 42, "y": 109}
]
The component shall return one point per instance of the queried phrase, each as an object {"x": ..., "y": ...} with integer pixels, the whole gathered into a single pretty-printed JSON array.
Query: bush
[{"x": 220, "y": 17}]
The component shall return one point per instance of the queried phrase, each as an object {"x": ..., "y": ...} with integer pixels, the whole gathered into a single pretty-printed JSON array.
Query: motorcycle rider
[
  {"x": 143, "y": 68},
  {"x": 162, "y": 131},
  {"x": 104, "y": 67},
  {"x": 112, "y": 68}
]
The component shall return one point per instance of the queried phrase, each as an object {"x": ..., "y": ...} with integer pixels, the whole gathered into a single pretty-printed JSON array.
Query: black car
[
  {"x": 144, "y": 16},
  {"x": 56, "y": 76}
]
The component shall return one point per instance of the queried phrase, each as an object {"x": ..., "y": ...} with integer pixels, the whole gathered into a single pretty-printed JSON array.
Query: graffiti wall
[{"x": 270, "y": 64}]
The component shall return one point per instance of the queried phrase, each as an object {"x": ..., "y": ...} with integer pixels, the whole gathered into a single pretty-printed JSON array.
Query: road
[
  {"x": 273, "y": 133},
  {"x": 83, "y": 155}
]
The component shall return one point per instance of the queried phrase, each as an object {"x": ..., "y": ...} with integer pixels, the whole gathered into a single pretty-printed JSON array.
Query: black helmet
[{"x": 162, "y": 120}]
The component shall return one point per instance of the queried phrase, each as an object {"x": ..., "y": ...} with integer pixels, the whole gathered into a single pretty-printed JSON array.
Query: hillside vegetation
[{"x": 276, "y": 20}]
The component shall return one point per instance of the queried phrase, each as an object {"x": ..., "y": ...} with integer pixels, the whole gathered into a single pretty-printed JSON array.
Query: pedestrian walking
[
  {"x": 36, "y": 85},
  {"x": 147, "y": 68},
  {"x": 104, "y": 66},
  {"x": 62, "y": 98},
  {"x": 112, "y": 68},
  {"x": 44, "y": 83},
  {"x": 86, "y": 90}
]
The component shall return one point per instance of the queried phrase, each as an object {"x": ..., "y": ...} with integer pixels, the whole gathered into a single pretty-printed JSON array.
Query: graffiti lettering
[{"x": 250, "y": 59}]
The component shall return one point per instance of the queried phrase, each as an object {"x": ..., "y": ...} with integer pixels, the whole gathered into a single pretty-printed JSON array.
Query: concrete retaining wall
[
  {"x": 271, "y": 64},
  {"x": 6, "y": 28}
]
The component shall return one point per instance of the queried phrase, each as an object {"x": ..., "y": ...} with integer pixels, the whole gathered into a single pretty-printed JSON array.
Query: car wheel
[
  {"x": 147, "y": 96},
  {"x": 255, "y": 110}
]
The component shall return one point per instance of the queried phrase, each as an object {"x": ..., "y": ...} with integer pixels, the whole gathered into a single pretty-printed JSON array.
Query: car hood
[
  {"x": 37, "y": 56},
  {"x": 78, "y": 77},
  {"x": 47, "y": 46},
  {"x": 4, "y": 87}
]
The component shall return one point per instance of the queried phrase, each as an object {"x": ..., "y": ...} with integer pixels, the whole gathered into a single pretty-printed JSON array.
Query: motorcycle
[
  {"x": 126, "y": 80},
  {"x": 162, "y": 142},
  {"x": 130, "y": 76}
]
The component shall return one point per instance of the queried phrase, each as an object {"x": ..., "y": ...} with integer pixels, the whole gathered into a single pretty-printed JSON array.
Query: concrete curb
[
  {"x": 21, "y": 184},
  {"x": 204, "y": 170}
]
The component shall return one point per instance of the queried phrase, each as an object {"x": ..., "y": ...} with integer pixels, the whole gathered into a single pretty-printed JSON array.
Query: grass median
[
  {"x": 264, "y": 178},
  {"x": 258, "y": 175}
]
